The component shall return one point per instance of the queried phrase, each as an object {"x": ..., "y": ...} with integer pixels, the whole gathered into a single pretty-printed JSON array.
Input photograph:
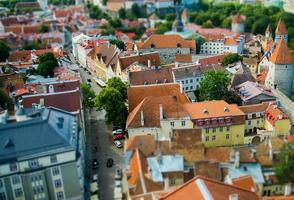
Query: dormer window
[
  {"x": 179, "y": 45},
  {"x": 152, "y": 45},
  {"x": 205, "y": 111},
  {"x": 226, "y": 109}
]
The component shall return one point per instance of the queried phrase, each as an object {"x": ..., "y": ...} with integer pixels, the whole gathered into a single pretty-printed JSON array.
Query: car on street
[
  {"x": 95, "y": 164},
  {"x": 118, "y": 174},
  {"x": 89, "y": 80},
  {"x": 118, "y": 137},
  {"x": 117, "y": 131},
  {"x": 109, "y": 162},
  {"x": 118, "y": 144},
  {"x": 100, "y": 82}
]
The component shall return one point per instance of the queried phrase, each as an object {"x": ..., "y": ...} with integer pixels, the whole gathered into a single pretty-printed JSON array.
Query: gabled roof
[
  {"x": 153, "y": 57},
  {"x": 255, "y": 108},
  {"x": 172, "y": 108},
  {"x": 185, "y": 13},
  {"x": 137, "y": 93},
  {"x": 273, "y": 114},
  {"x": 202, "y": 188},
  {"x": 166, "y": 41},
  {"x": 282, "y": 54},
  {"x": 238, "y": 19},
  {"x": 281, "y": 28},
  {"x": 245, "y": 182},
  {"x": 230, "y": 41},
  {"x": 49, "y": 131}
]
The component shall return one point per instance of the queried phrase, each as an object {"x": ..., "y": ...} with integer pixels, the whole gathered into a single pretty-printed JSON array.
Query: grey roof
[{"x": 43, "y": 134}]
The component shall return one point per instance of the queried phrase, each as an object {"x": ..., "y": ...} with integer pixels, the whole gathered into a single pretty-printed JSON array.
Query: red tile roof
[
  {"x": 279, "y": 198},
  {"x": 245, "y": 182},
  {"x": 281, "y": 28},
  {"x": 273, "y": 114},
  {"x": 230, "y": 41},
  {"x": 166, "y": 41},
  {"x": 282, "y": 54},
  {"x": 200, "y": 187},
  {"x": 126, "y": 61},
  {"x": 255, "y": 107},
  {"x": 237, "y": 19},
  {"x": 136, "y": 94}
]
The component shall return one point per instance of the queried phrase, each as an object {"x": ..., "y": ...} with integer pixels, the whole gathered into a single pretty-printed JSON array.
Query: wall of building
[
  {"x": 250, "y": 124},
  {"x": 167, "y": 125},
  {"x": 238, "y": 28},
  {"x": 175, "y": 178},
  {"x": 155, "y": 131},
  {"x": 212, "y": 47},
  {"x": 190, "y": 83}
]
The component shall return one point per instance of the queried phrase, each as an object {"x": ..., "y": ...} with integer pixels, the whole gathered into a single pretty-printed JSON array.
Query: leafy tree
[
  {"x": 207, "y": 24},
  {"x": 120, "y": 44},
  {"x": 122, "y": 13},
  {"x": 231, "y": 58},
  {"x": 116, "y": 23},
  {"x": 170, "y": 17},
  {"x": 138, "y": 11},
  {"x": 199, "y": 41},
  {"x": 113, "y": 100},
  {"x": 107, "y": 30},
  {"x": 233, "y": 97},
  {"x": 47, "y": 64},
  {"x": 88, "y": 96},
  {"x": 31, "y": 45},
  {"x": 43, "y": 29},
  {"x": 284, "y": 168},
  {"x": 214, "y": 86},
  {"x": 4, "y": 51},
  {"x": 5, "y": 101},
  {"x": 104, "y": 2},
  {"x": 94, "y": 12}
]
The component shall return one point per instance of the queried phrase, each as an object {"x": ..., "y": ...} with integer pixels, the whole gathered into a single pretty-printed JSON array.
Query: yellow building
[
  {"x": 222, "y": 124},
  {"x": 277, "y": 121}
]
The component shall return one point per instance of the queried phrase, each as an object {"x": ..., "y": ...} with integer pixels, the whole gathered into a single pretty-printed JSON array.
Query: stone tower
[
  {"x": 281, "y": 69},
  {"x": 185, "y": 16},
  {"x": 281, "y": 32},
  {"x": 43, "y": 4},
  {"x": 238, "y": 23},
  {"x": 268, "y": 33},
  {"x": 178, "y": 25}
]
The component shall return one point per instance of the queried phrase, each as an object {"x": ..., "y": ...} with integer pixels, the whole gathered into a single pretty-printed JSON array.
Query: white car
[
  {"x": 118, "y": 144},
  {"x": 100, "y": 82},
  {"x": 117, "y": 131}
]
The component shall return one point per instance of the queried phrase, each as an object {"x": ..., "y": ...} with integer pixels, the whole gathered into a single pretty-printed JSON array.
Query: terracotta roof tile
[
  {"x": 237, "y": 19},
  {"x": 183, "y": 57},
  {"x": 166, "y": 41},
  {"x": 152, "y": 76},
  {"x": 213, "y": 108},
  {"x": 208, "y": 169},
  {"x": 185, "y": 13},
  {"x": 254, "y": 108},
  {"x": 8, "y": 21},
  {"x": 145, "y": 143},
  {"x": 21, "y": 5},
  {"x": 126, "y": 61},
  {"x": 281, "y": 28},
  {"x": 137, "y": 93},
  {"x": 172, "y": 108},
  {"x": 282, "y": 54},
  {"x": 245, "y": 182},
  {"x": 273, "y": 114},
  {"x": 193, "y": 189},
  {"x": 279, "y": 198},
  {"x": 230, "y": 41}
]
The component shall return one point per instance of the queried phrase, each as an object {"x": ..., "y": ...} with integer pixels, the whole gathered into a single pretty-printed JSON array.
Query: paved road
[{"x": 100, "y": 145}]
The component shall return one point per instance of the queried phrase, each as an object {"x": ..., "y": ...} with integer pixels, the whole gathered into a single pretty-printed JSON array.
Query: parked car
[
  {"x": 117, "y": 184},
  {"x": 118, "y": 174},
  {"x": 118, "y": 137},
  {"x": 118, "y": 144},
  {"x": 117, "y": 131},
  {"x": 100, "y": 82},
  {"x": 95, "y": 164},
  {"x": 109, "y": 162}
]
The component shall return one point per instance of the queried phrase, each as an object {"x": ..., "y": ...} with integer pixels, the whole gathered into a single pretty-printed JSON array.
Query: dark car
[
  {"x": 109, "y": 162},
  {"x": 118, "y": 136},
  {"x": 95, "y": 164}
]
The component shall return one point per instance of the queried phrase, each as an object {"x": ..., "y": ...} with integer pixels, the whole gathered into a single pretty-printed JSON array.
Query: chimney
[
  {"x": 161, "y": 111},
  {"x": 166, "y": 184},
  {"x": 288, "y": 189},
  {"x": 142, "y": 118},
  {"x": 237, "y": 159},
  {"x": 233, "y": 197},
  {"x": 149, "y": 64}
]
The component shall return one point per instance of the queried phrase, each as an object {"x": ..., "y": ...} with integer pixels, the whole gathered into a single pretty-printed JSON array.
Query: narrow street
[{"x": 99, "y": 145}]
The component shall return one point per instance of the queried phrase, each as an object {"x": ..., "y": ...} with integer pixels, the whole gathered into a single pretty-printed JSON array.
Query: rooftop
[
  {"x": 281, "y": 28},
  {"x": 282, "y": 54}
]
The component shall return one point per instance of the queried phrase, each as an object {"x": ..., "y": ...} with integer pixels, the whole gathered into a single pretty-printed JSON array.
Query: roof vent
[
  {"x": 245, "y": 168},
  {"x": 226, "y": 109},
  {"x": 9, "y": 143},
  {"x": 205, "y": 111},
  {"x": 59, "y": 125}
]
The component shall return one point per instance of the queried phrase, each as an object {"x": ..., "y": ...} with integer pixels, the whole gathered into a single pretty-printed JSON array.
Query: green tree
[
  {"x": 122, "y": 13},
  {"x": 104, "y": 2},
  {"x": 31, "y": 45},
  {"x": 43, "y": 29},
  {"x": 170, "y": 17},
  {"x": 88, "y": 96},
  {"x": 136, "y": 10},
  {"x": 214, "y": 86},
  {"x": 120, "y": 44},
  {"x": 47, "y": 64},
  {"x": 5, "y": 101},
  {"x": 94, "y": 12},
  {"x": 231, "y": 58},
  {"x": 284, "y": 168},
  {"x": 113, "y": 100},
  {"x": 207, "y": 24},
  {"x": 116, "y": 23},
  {"x": 4, "y": 51}
]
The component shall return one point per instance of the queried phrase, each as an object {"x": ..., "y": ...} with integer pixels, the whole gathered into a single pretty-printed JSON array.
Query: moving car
[
  {"x": 118, "y": 144},
  {"x": 109, "y": 162},
  {"x": 118, "y": 137},
  {"x": 95, "y": 164}
]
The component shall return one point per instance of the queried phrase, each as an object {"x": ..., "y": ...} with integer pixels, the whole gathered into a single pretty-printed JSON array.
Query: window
[
  {"x": 172, "y": 181},
  {"x": 57, "y": 183},
  {"x": 13, "y": 167},
  {"x": 249, "y": 122},
  {"x": 207, "y": 138},
  {"x": 207, "y": 130},
  {"x": 228, "y": 128},
  {"x": 187, "y": 88},
  {"x": 221, "y": 129},
  {"x": 186, "y": 81},
  {"x": 191, "y": 81},
  {"x": 183, "y": 82},
  {"x": 53, "y": 159},
  {"x": 172, "y": 124},
  {"x": 183, "y": 123},
  {"x": 249, "y": 116},
  {"x": 213, "y": 130},
  {"x": 36, "y": 177},
  {"x": 1, "y": 183},
  {"x": 60, "y": 195},
  {"x": 191, "y": 87},
  {"x": 15, "y": 179},
  {"x": 33, "y": 163},
  {"x": 213, "y": 137},
  {"x": 257, "y": 121},
  {"x": 227, "y": 136},
  {"x": 2, "y": 196},
  {"x": 55, "y": 171},
  {"x": 18, "y": 192}
]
